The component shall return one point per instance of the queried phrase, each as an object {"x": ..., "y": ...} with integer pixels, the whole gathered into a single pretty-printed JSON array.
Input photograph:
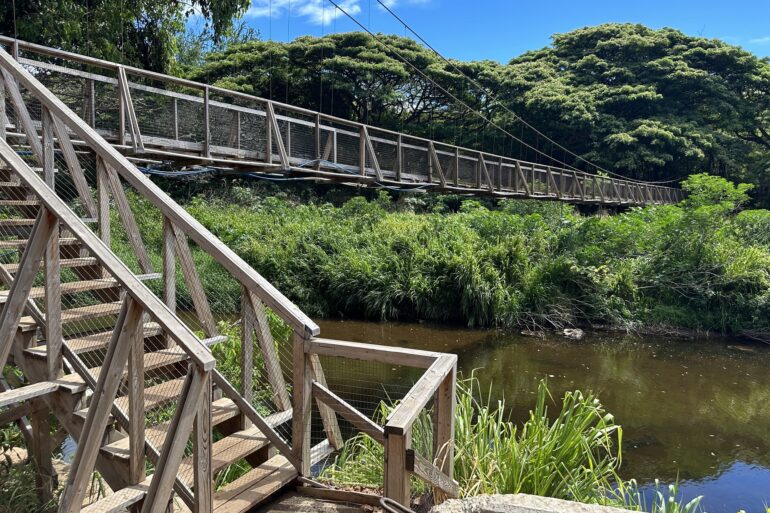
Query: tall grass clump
[{"x": 574, "y": 455}]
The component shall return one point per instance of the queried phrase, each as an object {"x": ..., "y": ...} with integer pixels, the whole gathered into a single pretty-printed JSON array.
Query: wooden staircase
[
  {"x": 101, "y": 345},
  {"x": 236, "y": 440}
]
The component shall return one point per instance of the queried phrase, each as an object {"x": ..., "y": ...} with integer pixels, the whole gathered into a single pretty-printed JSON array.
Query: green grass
[{"x": 572, "y": 453}]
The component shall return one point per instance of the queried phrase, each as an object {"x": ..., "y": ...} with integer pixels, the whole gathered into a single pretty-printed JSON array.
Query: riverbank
[{"x": 703, "y": 265}]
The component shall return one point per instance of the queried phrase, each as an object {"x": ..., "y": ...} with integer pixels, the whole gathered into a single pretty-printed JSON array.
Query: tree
[{"x": 137, "y": 32}]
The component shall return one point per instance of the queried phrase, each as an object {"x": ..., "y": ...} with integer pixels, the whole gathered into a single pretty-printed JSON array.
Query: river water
[{"x": 693, "y": 410}]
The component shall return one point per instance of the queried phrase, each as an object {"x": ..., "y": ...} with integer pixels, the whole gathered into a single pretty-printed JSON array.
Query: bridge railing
[{"x": 173, "y": 118}]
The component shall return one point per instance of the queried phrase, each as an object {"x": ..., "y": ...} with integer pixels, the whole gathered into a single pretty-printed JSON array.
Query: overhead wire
[
  {"x": 445, "y": 91},
  {"x": 479, "y": 87}
]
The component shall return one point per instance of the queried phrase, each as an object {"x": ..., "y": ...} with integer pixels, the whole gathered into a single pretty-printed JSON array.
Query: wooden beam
[
  {"x": 247, "y": 352},
  {"x": 407, "y": 411},
  {"x": 428, "y": 472},
  {"x": 73, "y": 164},
  {"x": 269, "y": 355},
  {"x": 171, "y": 455},
  {"x": 127, "y": 328},
  {"x": 328, "y": 417},
  {"x": 444, "y": 428},
  {"x": 331, "y": 494},
  {"x": 276, "y": 131},
  {"x": 348, "y": 412},
  {"x": 42, "y": 447},
  {"x": 103, "y": 202},
  {"x": 301, "y": 407},
  {"x": 206, "y": 124},
  {"x": 23, "y": 281},
  {"x": 436, "y": 164},
  {"x": 125, "y": 95},
  {"x": 22, "y": 114},
  {"x": 194, "y": 285},
  {"x": 372, "y": 154},
  {"x": 372, "y": 352},
  {"x": 129, "y": 221},
  {"x": 202, "y": 439},
  {"x": 396, "y": 476},
  {"x": 27, "y": 392},
  {"x": 523, "y": 177},
  {"x": 3, "y": 113},
  {"x": 135, "y": 384}
]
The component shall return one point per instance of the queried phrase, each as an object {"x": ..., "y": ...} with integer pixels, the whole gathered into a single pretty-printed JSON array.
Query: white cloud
[
  {"x": 394, "y": 3},
  {"x": 765, "y": 40},
  {"x": 314, "y": 11}
]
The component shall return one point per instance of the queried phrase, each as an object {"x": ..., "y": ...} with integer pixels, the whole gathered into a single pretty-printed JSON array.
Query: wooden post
[
  {"x": 175, "y": 113},
  {"x": 203, "y": 471},
  {"x": 172, "y": 453},
  {"x": 237, "y": 130},
  {"x": 301, "y": 400},
  {"x": 396, "y": 476},
  {"x": 399, "y": 157},
  {"x": 317, "y": 141},
  {"x": 362, "y": 150},
  {"x": 268, "y": 135},
  {"x": 457, "y": 167},
  {"x": 247, "y": 351},
  {"x": 89, "y": 102},
  {"x": 122, "y": 116},
  {"x": 103, "y": 200},
  {"x": 443, "y": 436},
  {"x": 136, "y": 436},
  {"x": 169, "y": 271},
  {"x": 42, "y": 447},
  {"x": 129, "y": 221},
  {"x": 206, "y": 124},
  {"x": 3, "y": 114},
  {"x": 127, "y": 328}
]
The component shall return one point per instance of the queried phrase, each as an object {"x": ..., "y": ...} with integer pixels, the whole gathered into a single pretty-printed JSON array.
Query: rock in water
[{"x": 573, "y": 333}]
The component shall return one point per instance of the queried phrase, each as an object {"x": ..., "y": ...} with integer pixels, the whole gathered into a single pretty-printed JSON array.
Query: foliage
[
  {"x": 652, "y": 104},
  {"x": 662, "y": 502},
  {"x": 141, "y": 32},
  {"x": 572, "y": 456},
  {"x": 696, "y": 265}
]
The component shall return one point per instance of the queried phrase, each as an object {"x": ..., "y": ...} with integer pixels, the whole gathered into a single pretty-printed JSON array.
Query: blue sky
[{"x": 501, "y": 29}]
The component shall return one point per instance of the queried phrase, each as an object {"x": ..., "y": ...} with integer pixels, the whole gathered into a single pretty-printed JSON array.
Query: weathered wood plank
[
  {"x": 193, "y": 280},
  {"x": 372, "y": 352},
  {"x": 129, "y": 221},
  {"x": 348, "y": 412}
]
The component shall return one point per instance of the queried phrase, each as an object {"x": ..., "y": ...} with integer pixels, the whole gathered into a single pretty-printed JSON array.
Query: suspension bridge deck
[{"x": 160, "y": 119}]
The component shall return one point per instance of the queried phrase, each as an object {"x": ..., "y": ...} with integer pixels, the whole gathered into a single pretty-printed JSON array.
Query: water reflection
[{"x": 696, "y": 409}]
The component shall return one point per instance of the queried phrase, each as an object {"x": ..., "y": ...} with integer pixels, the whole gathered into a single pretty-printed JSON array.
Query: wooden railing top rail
[
  {"x": 208, "y": 89},
  {"x": 179, "y": 331},
  {"x": 400, "y": 421},
  {"x": 226, "y": 257}
]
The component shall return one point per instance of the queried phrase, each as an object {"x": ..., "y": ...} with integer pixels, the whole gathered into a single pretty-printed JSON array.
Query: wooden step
[
  {"x": 226, "y": 451},
  {"x": 93, "y": 341},
  {"x": 27, "y": 392},
  {"x": 154, "y": 396},
  {"x": 65, "y": 263},
  {"x": 5, "y": 223},
  {"x": 155, "y": 360},
  {"x": 120, "y": 501},
  {"x": 19, "y": 203},
  {"x": 22, "y": 243},
  {"x": 82, "y": 313},
  {"x": 72, "y": 287},
  {"x": 255, "y": 487},
  {"x": 221, "y": 410}
]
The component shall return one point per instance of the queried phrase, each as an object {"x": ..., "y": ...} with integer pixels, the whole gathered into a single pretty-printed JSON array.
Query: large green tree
[
  {"x": 138, "y": 32},
  {"x": 651, "y": 104}
]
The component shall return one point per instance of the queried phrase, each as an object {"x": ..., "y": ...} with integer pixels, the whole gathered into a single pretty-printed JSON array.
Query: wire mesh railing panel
[{"x": 373, "y": 389}]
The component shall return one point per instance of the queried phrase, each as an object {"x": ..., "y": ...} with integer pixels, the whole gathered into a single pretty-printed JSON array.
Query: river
[{"x": 693, "y": 410}]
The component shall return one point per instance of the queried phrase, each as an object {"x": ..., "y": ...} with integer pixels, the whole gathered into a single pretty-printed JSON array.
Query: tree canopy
[
  {"x": 139, "y": 32},
  {"x": 651, "y": 104}
]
